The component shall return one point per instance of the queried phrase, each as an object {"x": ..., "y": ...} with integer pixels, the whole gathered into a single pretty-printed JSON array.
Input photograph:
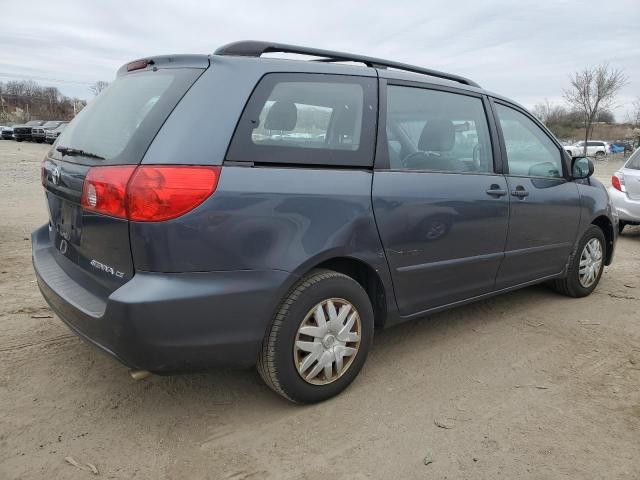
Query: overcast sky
[{"x": 520, "y": 48}]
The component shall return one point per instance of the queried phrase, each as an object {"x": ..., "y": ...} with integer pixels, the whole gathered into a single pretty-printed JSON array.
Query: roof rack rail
[{"x": 254, "y": 48}]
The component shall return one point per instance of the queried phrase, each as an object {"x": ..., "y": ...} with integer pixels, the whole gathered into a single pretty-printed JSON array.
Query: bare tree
[
  {"x": 592, "y": 90},
  {"x": 550, "y": 114},
  {"x": 633, "y": 116},
  {"x": 99, "y": 86}
]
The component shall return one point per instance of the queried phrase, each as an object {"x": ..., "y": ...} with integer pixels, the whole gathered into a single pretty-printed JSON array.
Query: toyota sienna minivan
[{"x": 232, "y": 210}]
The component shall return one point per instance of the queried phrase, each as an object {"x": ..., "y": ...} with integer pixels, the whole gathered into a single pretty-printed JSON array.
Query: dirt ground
[{"x": 526, "y": 385}]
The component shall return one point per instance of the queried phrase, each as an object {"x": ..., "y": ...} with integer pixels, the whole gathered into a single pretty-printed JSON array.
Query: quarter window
[
  {"x": 308, "y": 118},
  {"x": 437, "y": 131},
  {"x": 530, "y": 152}
]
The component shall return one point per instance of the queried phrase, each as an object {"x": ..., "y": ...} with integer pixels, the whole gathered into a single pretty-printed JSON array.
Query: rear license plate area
[{"x": 66, "y": 225}]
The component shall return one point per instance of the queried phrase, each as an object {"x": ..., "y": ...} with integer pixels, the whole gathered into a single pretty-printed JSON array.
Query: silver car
[{"x": 625, "y": 191}]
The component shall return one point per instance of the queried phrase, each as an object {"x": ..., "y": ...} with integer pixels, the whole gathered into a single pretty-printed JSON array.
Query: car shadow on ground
[{"x": 244, "y": 390}]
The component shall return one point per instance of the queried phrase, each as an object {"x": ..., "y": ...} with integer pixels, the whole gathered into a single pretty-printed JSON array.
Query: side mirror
[{"x": 581, "y": 167}]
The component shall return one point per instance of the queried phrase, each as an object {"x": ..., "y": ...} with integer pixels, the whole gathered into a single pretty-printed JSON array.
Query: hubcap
[
  {"x": 327, "y": 341},
  {"x": 590, "y": 263}
]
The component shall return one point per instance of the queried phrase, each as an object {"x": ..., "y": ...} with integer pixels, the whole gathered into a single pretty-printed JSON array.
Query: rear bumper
[
  {"x": 628, "y": 210},
  {"x": 166, "y": 322}
]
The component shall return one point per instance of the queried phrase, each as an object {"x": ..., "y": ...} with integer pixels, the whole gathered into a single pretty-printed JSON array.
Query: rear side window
[
  {"x": 309, "y": 119},
  {"x": 121, "y": 122},
  {"x": 437, "y": 131},
  {"x": 634, "y": 160}
]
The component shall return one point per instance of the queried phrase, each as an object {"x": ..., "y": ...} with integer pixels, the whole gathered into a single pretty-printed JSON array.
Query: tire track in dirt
[{"x": 11, "y": 346}]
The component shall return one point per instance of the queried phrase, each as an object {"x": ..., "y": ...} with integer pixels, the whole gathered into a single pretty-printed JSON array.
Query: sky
[{"x": 522, "y": 49}]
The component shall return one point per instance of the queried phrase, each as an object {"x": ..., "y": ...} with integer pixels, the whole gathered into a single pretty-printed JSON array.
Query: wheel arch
[
  {"x": 363, "y": 273},
  {"x": 604, "y": 223}
]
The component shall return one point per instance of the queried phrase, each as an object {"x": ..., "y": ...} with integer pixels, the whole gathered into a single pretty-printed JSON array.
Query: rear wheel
[
  {"x": 319, "y": 338},
  {"x": 586, "y": 266},
  {"x": 600, "y": 155}
]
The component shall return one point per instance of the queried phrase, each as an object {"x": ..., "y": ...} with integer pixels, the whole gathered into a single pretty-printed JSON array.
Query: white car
[
  {"x": 595, "y": 148},
  {"x": 625, "y": 192}
]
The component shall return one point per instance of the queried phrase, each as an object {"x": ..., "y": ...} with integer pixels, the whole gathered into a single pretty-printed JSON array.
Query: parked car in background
[
  {"x": 615, "y": 148},
  {"x": 625, "y": 144},
  {"x": 38, "y": 133},
  {"x": 595, "y": 148},
  {"x": 177, "y": 252},
  {"x": 6, "y": 133},
  {"x": 23, "y": 132},
  {"x": 52, "y": 134},
  {"x": 625, "y": 192}
]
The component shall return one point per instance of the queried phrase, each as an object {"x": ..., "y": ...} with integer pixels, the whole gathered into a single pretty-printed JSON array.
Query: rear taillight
[
  {"x": 148, "y": 193},
  {"x": 617, "y": 181},
  {"x": 105, "y": 190},
  {"x": 162, "y": 192}
]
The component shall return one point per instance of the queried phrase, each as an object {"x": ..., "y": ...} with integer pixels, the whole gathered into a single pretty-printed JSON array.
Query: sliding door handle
[{"x": 496, "y": 191}]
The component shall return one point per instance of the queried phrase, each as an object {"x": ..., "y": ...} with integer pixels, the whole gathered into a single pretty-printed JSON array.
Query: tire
[
  {"x": 600, "y": 155},
  {"x": 571, "y": 285},
  {"x": 621, "y": 225},
  {"x": 281, "y": 359}
]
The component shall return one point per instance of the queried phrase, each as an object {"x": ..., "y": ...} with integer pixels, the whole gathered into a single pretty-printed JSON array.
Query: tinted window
[
  {"x": 435, "y": 130},
  {"x": 634, "y": 160},
  {"x": 308, "y": 118},
  {"x": 530, "y": 152},
  {"x": 299, "y": 114},
  {"x": 120, "y": 123},
  {"x": 595, "y": 144}
]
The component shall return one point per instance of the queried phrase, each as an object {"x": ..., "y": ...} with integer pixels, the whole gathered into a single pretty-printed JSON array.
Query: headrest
[
  {"x": 282, "y": 116},
  {"x": 438, "y": 135}
]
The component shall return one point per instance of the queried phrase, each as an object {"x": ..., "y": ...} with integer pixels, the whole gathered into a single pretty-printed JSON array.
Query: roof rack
[{"x": 254, "y": 48}]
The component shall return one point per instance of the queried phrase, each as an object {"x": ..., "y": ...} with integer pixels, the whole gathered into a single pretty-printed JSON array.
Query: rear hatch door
[{"x": 116, "y": 128}]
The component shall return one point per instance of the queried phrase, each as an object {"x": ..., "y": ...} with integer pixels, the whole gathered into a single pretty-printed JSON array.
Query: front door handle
[
  {"x": 519, "y": 192},
  {"x": 496, "y": 191}
]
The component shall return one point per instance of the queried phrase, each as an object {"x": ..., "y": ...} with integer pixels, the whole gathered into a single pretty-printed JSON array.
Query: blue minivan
[{"x": 238, "y": 210}]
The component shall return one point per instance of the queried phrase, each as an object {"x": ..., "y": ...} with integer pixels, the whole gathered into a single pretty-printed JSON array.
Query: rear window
[
  {"x": 310, "y": 119},
  {"x": 634, "y": 160},
  {"x": 120, "y": 123}
]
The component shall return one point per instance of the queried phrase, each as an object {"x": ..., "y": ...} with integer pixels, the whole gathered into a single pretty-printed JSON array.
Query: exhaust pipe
[{"x": 139, "y": 374}]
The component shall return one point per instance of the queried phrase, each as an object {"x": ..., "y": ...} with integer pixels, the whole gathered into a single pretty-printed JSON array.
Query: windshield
[
  {"x": 120, "y": 123},
  {"x": 51, "y": 124},
  {"x": 634, "y": 160}
]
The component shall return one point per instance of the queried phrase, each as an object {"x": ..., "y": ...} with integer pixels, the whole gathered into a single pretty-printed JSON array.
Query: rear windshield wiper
[{"x": 76, "y": 151}]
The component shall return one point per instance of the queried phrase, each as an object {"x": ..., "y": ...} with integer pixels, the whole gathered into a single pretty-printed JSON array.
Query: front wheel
[
  {"x": 319, "y": 338},
  {"x": 586, "y": 266}
]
